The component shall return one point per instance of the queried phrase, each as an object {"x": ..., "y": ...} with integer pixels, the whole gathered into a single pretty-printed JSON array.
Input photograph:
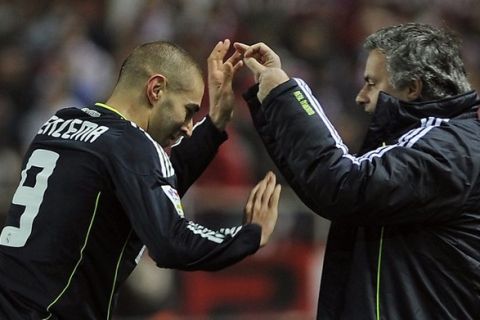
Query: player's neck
[{"x": 129, "y": 110}]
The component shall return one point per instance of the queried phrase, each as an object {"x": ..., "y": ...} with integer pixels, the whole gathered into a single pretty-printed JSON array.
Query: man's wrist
[
  {"x": 269, "y": 80},
  {"x": 221, "y": 121}
]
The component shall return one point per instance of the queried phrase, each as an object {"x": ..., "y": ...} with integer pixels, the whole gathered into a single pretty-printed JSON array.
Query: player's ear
[{"x": 155, "y": 89}]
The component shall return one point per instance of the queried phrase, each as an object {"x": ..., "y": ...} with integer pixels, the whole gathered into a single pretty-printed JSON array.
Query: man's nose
[
  {"x": 187, "y": 128},
  {"x": 362, "y": 97}
]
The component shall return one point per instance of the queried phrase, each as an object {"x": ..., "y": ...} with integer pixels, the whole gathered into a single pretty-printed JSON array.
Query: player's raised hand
[
  {"x": 265, "y": 65},
  {"x": 262, "y": 206},
  {"x": 220, "y": 75}
]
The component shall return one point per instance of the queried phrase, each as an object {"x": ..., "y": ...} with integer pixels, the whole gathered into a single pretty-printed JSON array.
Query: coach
[{"x": 404, "y": 242}]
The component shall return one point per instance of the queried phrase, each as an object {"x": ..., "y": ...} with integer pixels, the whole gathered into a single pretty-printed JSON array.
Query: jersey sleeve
[
  {"x": 192, "y": 156},
  {"x": 144, "y": 182},
  {"x": 416, "y": 180}
]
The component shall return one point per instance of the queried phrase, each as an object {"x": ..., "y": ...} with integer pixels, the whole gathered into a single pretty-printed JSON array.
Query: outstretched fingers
[
  {"x": 258, "y": 202},
  {"x": 263, "y": 203},
  {"x": 235, "y": 58},
  {"x": 220, "y": 49},
  {"x": 249, "y": 205},
  {"x": 230, "y": 67},
  {"x": 273, "y": 201},
  {"x": 268, "y": 189},
  {"x": 215, "y": 59}
]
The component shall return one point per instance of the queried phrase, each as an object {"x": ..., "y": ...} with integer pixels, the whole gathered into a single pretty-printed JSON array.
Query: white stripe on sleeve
[{"x": 406, "y": 140}]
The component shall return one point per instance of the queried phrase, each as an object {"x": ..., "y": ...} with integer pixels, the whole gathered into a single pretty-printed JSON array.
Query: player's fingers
[
  {"x": 216, "y": 51},
  {"x": 237, "y": 66},
  {"x": 273, "y": 204},
  {"x": 257, "y": 204},
  {"x": 248, "y": 213},
  {"x": 214, "y": 61},
  {"x": 251, "y": 196},
  {"x": 234, "y": 58},
  {"x": 249, "y": 205},
  {"x": 224, "y": 49},
  {"x": 228, "y": 71},
  {"x": 240, "y": 47},
  {"x": 226, "y": 43},
  {"x": 271, "y": 182}
]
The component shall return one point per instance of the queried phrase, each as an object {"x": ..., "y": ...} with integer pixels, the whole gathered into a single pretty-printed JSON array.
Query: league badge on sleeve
[{"x": 172, "y": 194}]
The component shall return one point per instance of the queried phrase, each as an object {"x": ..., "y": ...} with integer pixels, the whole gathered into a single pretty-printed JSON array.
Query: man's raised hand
[{"x": 265, "y": 65}]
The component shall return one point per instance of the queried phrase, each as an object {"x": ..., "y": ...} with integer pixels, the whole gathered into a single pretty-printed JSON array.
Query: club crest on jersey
[
  {"x": 91, "y": 113},
  {"x": 172, "y": 194}
]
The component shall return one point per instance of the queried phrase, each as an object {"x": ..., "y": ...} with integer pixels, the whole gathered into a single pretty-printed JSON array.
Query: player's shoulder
[
  {"x": 91, "y": 125},
  {"x": 107, "y": 134},
  {"x": 140, "y": 153},
  {"x": 131, "y": 147}
]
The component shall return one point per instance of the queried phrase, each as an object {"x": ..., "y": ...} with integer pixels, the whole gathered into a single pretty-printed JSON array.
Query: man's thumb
[{"x": 254, "y": 65}]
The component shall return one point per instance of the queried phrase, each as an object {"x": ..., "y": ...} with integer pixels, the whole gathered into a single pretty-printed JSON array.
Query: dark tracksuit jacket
[{"x": 404, "y": 242}]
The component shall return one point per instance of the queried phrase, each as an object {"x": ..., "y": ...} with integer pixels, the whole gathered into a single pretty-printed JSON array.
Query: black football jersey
[{"x": 95, "y": 190}]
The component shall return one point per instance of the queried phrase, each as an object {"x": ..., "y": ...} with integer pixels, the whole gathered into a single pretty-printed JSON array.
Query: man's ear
[
  {"x": 156, "y": 85},
  {"x": 415, "y": 90}
]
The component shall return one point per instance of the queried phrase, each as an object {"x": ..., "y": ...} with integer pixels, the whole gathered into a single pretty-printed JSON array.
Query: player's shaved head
[{"x": 160, "y": 57}]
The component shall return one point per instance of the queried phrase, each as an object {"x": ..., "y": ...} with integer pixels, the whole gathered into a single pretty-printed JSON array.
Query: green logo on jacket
[{"x": 303, "y": 102}]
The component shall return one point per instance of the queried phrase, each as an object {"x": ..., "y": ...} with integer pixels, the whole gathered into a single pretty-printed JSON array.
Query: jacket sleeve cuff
[
  {"x": 278, "y": 90},
  {"x": 250, "y": 97},
  {"x": 218, "y": 136}
]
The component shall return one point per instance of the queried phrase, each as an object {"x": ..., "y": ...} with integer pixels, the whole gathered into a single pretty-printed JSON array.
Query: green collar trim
[{"x": 103, "y": 105}]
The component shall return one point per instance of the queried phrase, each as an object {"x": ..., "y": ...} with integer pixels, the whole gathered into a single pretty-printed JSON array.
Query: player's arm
[
  {"x": 192, "y": 156},
  {"x": 155, "y": 211}
]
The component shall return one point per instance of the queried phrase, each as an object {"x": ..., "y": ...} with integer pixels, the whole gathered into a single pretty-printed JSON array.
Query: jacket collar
[{"x": 393, "y": 117}]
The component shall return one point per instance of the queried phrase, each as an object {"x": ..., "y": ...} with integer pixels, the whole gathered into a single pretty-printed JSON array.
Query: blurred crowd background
[{"x": 58, "y": 53}]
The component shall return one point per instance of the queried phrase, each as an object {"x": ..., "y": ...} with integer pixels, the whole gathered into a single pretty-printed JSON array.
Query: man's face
[
  {"x": 172, "y": 117},
  {"x": 376, "y": 79}
]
